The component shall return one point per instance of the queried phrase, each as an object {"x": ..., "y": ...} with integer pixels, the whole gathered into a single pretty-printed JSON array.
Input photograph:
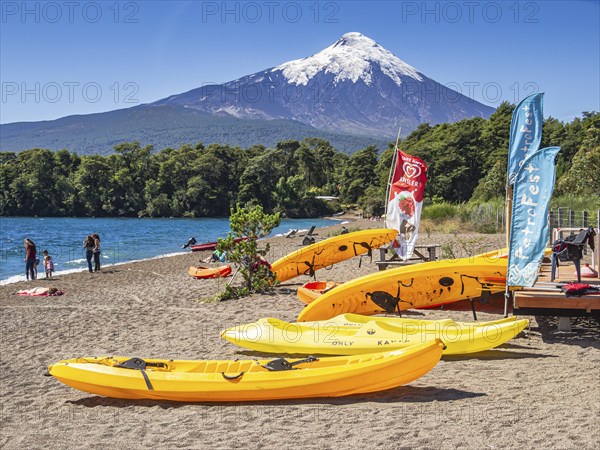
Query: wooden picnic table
[{"x": 421, "y": 253}]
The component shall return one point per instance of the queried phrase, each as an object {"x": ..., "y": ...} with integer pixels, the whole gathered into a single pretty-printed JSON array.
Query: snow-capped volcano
[
  {"x": 353, "y": 86},
  {"x": 350, "y": 58}
]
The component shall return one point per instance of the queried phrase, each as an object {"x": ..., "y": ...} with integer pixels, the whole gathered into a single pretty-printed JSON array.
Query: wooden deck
[{"x": 546, "y": 298}]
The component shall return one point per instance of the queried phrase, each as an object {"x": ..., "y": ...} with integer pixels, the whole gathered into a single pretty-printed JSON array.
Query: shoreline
[
  {"x": 21, "y": 278},
  {"x": 83, "y": 270},
  {"x": 17, "y": 278}
]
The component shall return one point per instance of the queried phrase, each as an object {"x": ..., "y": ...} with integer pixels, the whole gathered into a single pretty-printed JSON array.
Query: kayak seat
[{"x": 283, "y": 364}]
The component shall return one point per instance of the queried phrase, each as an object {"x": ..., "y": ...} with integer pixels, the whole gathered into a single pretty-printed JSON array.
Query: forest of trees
[{"x": 466, "y": 160}]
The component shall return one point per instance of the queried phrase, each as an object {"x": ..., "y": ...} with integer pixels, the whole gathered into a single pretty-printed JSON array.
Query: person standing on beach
[
  {"x": 48, "y": 264},
  {"x": 35, "y": 264},
  {"x": 96, "y": 251},
  {"x": 30, "y": 258},
  {"x": 88, "y": 244}
]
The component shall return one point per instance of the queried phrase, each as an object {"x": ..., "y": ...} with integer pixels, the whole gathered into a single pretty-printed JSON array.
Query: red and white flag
[{"x": 406, "y": 201}]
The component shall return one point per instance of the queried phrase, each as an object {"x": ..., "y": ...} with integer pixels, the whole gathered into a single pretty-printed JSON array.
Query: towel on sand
[{"x": 40, "y": 291}]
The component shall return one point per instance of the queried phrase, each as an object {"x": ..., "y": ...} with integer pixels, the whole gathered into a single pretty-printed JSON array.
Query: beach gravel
[{"x": 540, "y": 390}]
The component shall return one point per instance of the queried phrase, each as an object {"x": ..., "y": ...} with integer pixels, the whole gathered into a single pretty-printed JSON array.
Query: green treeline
[{"x": 466, "y": 160}]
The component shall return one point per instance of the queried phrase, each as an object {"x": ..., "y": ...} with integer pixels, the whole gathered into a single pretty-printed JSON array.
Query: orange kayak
[
  {"x": 209, "y": 272},
  {"x": 311, "y": 291}
]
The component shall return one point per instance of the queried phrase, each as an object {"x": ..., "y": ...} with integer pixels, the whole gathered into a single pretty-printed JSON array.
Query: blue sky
[{"x": 63, "y": 58}]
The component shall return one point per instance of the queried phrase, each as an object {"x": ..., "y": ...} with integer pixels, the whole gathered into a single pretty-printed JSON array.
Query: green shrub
[
  {"x": 448, "y": 252},
  {"x": 439, "y": 211},
  {"x": 589, "y": 202},
  {"x": 250, "y": 223},
  {"x": 482, "y": 217}
]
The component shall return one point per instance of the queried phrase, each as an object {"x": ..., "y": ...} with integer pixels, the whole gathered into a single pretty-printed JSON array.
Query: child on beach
[{"x": 48, "y": 264}]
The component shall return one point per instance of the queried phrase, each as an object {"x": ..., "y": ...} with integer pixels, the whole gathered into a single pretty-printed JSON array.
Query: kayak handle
[{"x": 232, "y": 377}]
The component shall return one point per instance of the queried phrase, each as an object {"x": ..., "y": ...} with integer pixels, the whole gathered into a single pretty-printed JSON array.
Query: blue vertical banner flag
[
  {"x": 533, "y": 186},
  {"x": 525, "y": 133}
]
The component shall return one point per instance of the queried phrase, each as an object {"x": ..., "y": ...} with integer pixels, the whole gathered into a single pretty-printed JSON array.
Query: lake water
[{"x": 122, "y": 239}]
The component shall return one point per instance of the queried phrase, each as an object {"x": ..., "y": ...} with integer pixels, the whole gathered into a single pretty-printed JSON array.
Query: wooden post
[
  {"x": 497, "y": 219},
  {"x": 584, "y": 219},
  {"x": 507, "y": 295},
  {"x": 571, "y": 218},
  {"x": 509, "y": 196},
  {"x": 560, "y": 214},
  {"x": 597, "y": 249}
]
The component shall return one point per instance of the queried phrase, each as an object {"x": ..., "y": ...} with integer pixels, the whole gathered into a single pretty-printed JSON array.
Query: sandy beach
[{"x": 541, "y": 390}]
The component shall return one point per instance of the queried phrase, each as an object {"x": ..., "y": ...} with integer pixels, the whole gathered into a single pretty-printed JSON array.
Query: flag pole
[
  {"x": 509, "y": 195},
  {"x": 398, "y": 137},
  {"x": 392, "y": 167}
]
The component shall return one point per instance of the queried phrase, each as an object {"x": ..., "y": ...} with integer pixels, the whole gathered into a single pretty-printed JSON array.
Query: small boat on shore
[
  {"x": 246, "y": 380},
  {"x": 201, "y": 272},
  {"x": 212, "y": 245}
]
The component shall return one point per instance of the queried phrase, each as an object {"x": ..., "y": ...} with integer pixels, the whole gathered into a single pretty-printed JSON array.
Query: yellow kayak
[
  {"x": 494, "y": 254},
  {"x": 350, "y": 320},
  {"x": 327, "y": 338},
  {"x": 503, "y": 253},
  {"x": 330, "y": 251},
  {"x": 425, "y": 284},
  {"x": 246, "y": 380}
]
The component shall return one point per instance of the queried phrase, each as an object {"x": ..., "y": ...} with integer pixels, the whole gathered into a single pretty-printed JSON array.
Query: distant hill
[{"x": 164, "y": 126}]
